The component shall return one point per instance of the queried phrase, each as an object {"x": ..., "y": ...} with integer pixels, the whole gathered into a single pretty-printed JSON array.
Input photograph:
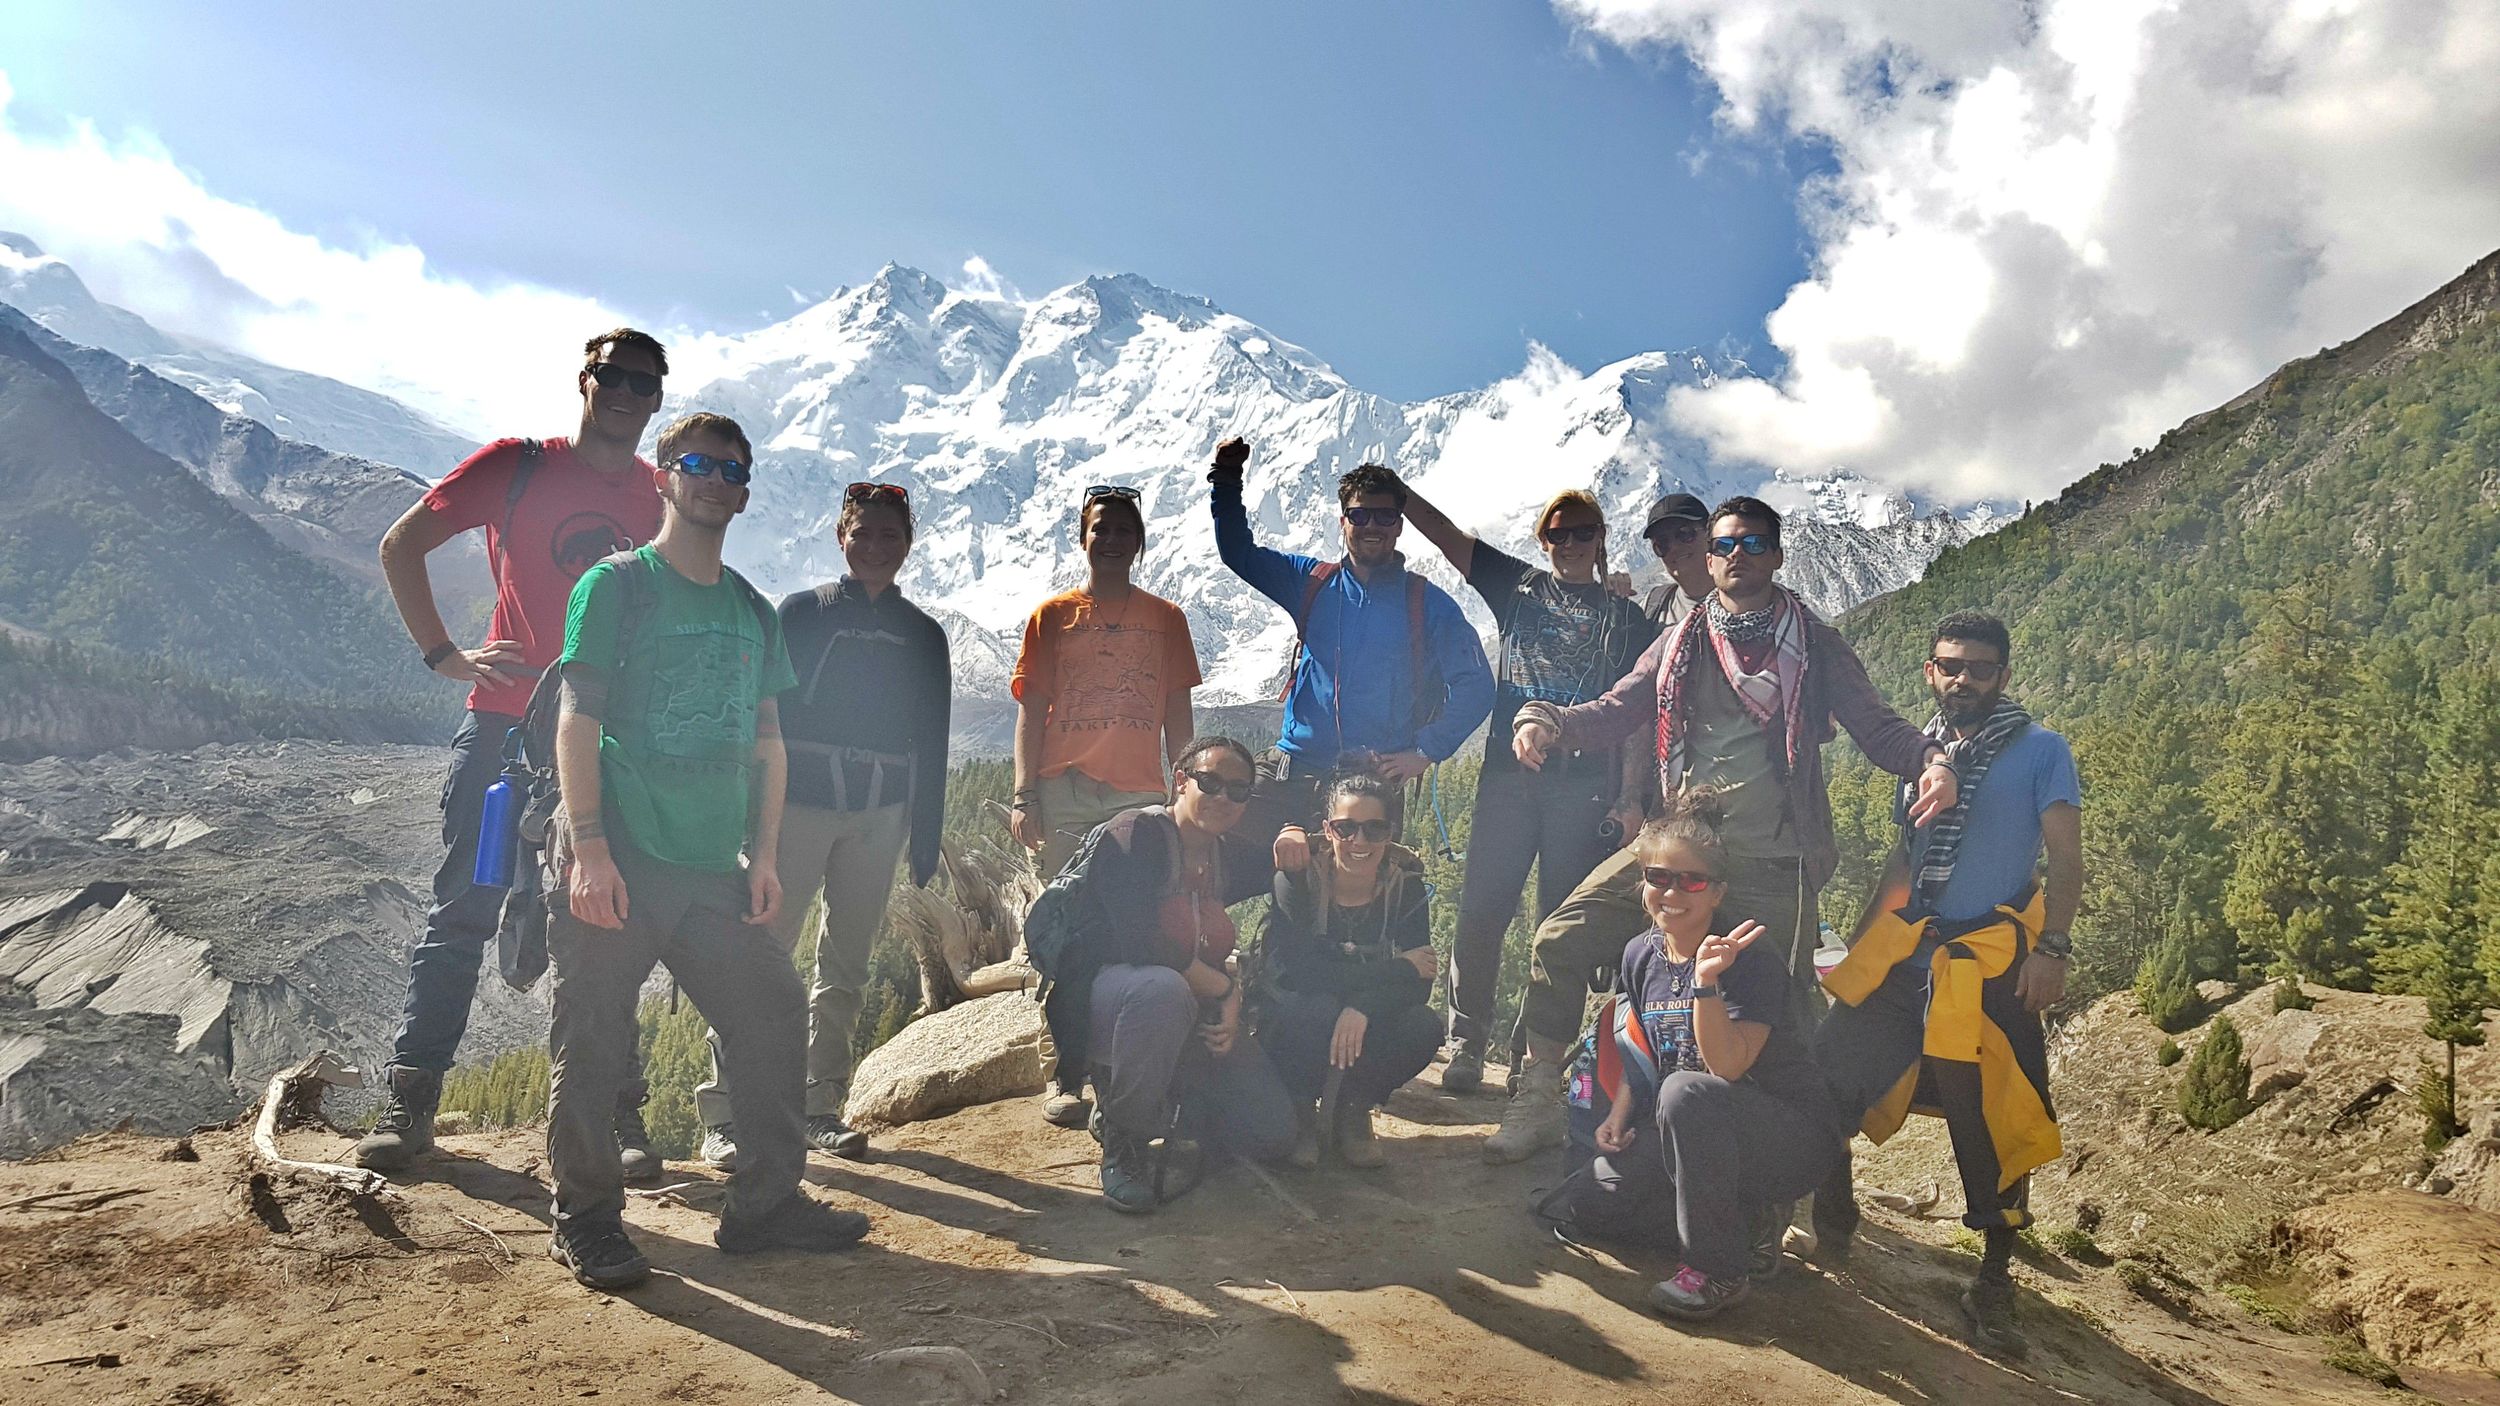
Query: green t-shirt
[{"x": 677, "y": 744}]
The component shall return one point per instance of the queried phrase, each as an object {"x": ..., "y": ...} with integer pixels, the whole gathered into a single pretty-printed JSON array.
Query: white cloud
[
  {"x": 982, "y": 281},
  {"x": 2056, "y": 228},
  {"x": 146, "y": 234}
]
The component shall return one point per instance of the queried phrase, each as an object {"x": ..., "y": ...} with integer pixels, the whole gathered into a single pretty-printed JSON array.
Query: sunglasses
[
  {"x": 610, "y": 376},
  {"x": 1676, "y": 880},
  {"x": 735, "y": 471},
  {"x": 1689, "y": 532},
  {"x": 1372, "y": 831},
  {"x": 1110, "y": 490},
  {"x": 865, "y": 492},
  {"x": 1213, "y": 783},
  {"x": 1753, "y": 543},
  {"x": 1586, "y": 532},
  {"x": 1374, "y": 517},
  {"x": 1980, "y": 670}
]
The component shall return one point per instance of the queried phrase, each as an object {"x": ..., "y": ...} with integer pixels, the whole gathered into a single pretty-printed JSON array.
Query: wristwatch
[
  {"x": 441, "y": 652},
  {"x": 2056, "y": 944},
  {"x": 1704, "y": 993}
]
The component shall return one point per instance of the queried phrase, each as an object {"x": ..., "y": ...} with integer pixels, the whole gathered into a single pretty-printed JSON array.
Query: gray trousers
[
  {"x": 849, "y": 857},
  {"x": 1716, "y": 1153},
  {"x": 735, "y": 973},
  {"x": 1546, "y": 818},
  {"x": 1146, "y": 1053}
]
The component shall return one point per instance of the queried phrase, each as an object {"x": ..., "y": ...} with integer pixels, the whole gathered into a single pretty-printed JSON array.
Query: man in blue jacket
[{"x": 1389, "y": 677}]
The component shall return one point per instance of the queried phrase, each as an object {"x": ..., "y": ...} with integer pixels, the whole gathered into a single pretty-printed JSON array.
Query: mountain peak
[{"x": 20, "y": 244}]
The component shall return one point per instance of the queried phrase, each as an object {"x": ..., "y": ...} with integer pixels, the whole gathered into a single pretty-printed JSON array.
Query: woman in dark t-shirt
[
  {"x": 1565, "y": 639},
  {"x": 1346, "y": 982},
  {"x": 1715, "y": 1111}
]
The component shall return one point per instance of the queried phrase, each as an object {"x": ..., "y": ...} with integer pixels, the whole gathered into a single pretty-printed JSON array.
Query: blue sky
[
  {"x": 2036, "y": 233},
  {"x": 1412, "y": 191}
]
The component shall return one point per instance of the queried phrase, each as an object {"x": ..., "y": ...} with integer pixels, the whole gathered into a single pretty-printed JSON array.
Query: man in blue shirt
[
  {"x": 1966, "y": 890},
  {"x": 1367, "y": 696}
]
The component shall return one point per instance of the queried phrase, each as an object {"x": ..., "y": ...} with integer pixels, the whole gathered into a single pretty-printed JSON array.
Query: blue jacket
[{"x": 1370, "y": 706}]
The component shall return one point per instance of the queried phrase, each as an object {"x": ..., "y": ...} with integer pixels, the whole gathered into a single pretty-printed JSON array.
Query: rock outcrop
[{"x": 977, "y": 1052}]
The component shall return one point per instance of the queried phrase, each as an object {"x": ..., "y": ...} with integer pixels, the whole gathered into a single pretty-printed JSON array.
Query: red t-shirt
[{"x": 570, "y": 516}]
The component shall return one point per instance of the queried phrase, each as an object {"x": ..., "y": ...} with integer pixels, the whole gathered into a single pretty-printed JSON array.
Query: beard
[{"x": 1967, "y": 708}]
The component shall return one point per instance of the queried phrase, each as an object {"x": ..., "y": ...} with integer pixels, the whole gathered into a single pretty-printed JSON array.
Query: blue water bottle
[{"x": 498, "y": 835}]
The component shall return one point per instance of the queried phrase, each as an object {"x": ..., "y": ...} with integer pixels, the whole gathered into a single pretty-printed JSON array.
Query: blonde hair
[{"x": 1575, "y": 498}]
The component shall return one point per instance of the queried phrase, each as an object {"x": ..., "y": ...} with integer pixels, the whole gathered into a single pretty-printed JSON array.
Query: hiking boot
[
  {"x": 1988, "y": 1309},
  {"x": 720, "y": 1148},
  {"x": 800, "y": 1222},
  {"x": 1065, "y": 1106},
  {"x": 1693, "y": 1296},
  {"x": 1770, "y": 1233},
  {"x": 826, "y": 1132},
  {"x": 633, "y": 1137},
  {"x": 1532, "y": 1121},
  {"x": 599, "y": 1253},
  {"x": 1464, "y": 1071},
  {"x": 1127, "y": 1172},
  {"x": 1305, "y": 1152},
  {"x": 405, "y": 1131},
  {"x": 1356, "y": 1147}
]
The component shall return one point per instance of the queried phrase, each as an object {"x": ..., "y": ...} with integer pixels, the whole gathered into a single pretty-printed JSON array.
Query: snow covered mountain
[
  {"x": 996, "y": 415},
  {"x": 296, "y": 404}
]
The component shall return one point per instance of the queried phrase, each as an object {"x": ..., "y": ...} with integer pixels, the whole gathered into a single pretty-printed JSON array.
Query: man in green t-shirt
[{"x": 669, "y": 754}]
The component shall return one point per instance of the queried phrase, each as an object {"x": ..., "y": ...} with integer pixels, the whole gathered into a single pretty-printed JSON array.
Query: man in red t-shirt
[{"x": 549, "y": 510}]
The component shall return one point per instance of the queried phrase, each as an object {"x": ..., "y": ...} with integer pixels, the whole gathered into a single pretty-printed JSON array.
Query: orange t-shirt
[{"x": 1106, "y": 672}]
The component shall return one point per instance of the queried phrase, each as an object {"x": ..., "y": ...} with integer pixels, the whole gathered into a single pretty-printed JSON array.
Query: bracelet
[{"x": 440, "y": 652}]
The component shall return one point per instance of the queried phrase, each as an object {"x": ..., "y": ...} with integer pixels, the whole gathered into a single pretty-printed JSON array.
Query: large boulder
[
  {"x": 2279, "y": 1053},
  {"x": 978, "y": 1052}
]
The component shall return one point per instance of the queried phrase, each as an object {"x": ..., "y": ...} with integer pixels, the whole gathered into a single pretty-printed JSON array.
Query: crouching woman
[
  {"x": 1346, "y": 987},
  {"x": 1162, "y": 1009},
  {"x": 1718, "y": 1112}
]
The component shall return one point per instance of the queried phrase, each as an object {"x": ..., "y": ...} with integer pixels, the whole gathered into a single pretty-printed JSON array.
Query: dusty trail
[{"x": 1425, "y": 1282}]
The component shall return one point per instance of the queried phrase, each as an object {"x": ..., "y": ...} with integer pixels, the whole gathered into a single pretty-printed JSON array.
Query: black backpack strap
[{"x": 532, "y": 452}]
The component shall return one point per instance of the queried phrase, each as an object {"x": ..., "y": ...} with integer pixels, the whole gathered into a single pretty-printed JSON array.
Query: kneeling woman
[
  {"x": 1163, "y": 1009},
  {"x": 1719, "y": 1112},
  {"x": 1345, "y": 996}
]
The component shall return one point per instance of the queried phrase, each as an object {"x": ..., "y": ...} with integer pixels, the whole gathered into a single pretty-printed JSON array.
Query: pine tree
[
  {"x": 2164, "y": 987},
  {"x": 2304, "y": 857},
  {"x": 2214, "y": 1093}
]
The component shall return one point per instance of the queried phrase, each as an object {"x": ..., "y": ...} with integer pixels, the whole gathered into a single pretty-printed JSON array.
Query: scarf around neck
[
  {"x": 1971, "y": 757},
  {"x": 1774, "y": 698}
]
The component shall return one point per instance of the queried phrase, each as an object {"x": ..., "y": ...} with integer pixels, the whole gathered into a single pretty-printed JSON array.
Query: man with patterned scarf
[
  {"x": 1937, "y": 1008},
  {"x": 1741, "y": 697}
]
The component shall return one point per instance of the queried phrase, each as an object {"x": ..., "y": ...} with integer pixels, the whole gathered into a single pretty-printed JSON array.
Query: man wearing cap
[{"x": 1677, "y": 529}]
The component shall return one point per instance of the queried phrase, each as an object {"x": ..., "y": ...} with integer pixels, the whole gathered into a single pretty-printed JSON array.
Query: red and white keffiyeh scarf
[{"x": 1773, "y": 697}]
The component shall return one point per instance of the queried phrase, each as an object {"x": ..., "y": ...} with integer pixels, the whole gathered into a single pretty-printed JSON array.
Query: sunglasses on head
[
  {"x": 1374, "y": 517},
  {"x": 1753, "y": 544},
  {"x": 610, "y": 376},
  {"x": 1372, "y": 831},
  {"x": 1214, "y": 783},
  {"x": 865, "y": 492},
  {"x": 1110, "y": 490},
  {"x": 1676, "y": 880},
  {"x": 1980, "y": 670},
  {"x": 1585, "y": 532},
  {"x": 701, "y": 466}
]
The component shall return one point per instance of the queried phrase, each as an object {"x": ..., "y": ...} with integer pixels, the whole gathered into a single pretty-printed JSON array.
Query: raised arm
[{"x": 1273, "y": 574}]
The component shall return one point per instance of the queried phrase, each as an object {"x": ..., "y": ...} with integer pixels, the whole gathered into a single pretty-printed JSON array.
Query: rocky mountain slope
[{"x": 297, "y": 405}]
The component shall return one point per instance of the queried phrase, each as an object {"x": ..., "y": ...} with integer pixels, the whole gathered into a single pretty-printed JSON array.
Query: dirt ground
[{"x": 1423, "y": 1282}]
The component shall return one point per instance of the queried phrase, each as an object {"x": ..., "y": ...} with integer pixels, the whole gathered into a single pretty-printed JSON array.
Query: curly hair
[
  {"x": 1215, "y": 742},
  {"x": 1370, "y": 478},
  {"x": 1695, "y": 818}
]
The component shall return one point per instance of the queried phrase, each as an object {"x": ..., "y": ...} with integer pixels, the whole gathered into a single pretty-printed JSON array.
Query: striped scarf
[
  {"x": 1774, "y": 698},
  {"x": 1971, "y": 757}
]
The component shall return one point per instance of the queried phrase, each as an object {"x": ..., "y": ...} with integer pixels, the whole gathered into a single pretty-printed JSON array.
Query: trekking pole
[{"x": 1441, "y": 823}]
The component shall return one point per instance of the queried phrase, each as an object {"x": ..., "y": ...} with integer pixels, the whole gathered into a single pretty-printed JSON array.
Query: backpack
[
  {"x": 529, "y": 764},
  {"x": 1430, "y": 691},
  {"x": 1062, "y": 929}
]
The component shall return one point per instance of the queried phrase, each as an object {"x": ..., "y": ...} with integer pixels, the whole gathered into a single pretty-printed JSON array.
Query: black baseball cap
[{"x": 1676, "y": 507}]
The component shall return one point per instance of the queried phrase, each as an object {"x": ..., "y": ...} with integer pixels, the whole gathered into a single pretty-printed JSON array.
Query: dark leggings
[
  {"x": 1716, "y": 1153},
  {"x": 1297, "y": 1027}
]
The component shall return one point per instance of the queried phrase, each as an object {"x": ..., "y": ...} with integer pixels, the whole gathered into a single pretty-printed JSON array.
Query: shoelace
[{"x": 1691, "y": 1281}]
